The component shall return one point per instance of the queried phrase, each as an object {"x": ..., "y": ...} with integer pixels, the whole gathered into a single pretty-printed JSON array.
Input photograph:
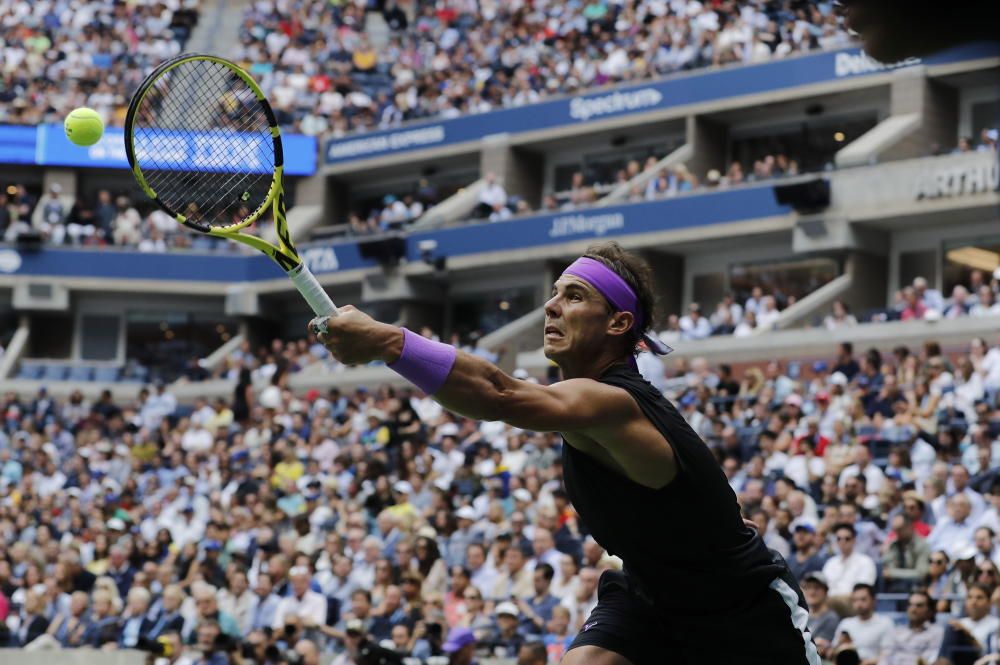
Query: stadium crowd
[
  {"x": 458, "y": 57},
  {"x": 62, "y": 54},
  {"x": 273, "y": 527},
  {"x": 760, "y": 311}
]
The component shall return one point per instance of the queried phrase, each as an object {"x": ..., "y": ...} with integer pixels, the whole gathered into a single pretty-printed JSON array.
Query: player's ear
[{"x": 620, "y": 323}]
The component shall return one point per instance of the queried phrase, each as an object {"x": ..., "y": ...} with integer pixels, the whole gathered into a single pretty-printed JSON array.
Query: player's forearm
[{"x": 475, "y": 388}]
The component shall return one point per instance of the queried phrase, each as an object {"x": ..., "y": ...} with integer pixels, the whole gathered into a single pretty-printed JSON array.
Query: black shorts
[{"x": 772, "y": 632}]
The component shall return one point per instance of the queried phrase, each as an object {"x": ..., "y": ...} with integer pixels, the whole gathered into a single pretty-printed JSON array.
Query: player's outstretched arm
[
  {"x": 480, "y": 390},
  {"x": 473, "y": 387}
]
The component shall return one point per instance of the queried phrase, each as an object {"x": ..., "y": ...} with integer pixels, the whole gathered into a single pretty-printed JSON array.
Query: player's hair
[
  {"x": 844, "y": 526},
  {"x": 985, "y": 588},
  {"x": 636, "y": 272},
  {"x": 868, "y": 588}
]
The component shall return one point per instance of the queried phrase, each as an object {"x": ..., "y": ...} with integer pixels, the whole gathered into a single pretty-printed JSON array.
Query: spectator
[
  {"x": 957, "y": 528},
  {"x": 460, "y": 646},
  {"x": 907, "y": 556},
  {"x": 848, "y": 567},
  {"x": 806, "y": 556},
  {"x": 822, "y": 620},
  {"x": 866, "y": 630},
  {"x": 693, "y": 325},
  {"x": 840, "y": 317},
  {"x": 491, "y": 196},
  {"x": 537, "y": 612},
  {"x": 973, "y": 631},
  {"x": 928, "y": 297},
  {"x": 920, "y": 639},
  {"x": 508, "y": 639}
]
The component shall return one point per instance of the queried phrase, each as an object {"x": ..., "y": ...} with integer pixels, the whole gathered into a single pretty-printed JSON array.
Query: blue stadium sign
[
  {"x": 657, "y": 94},
  {"x": 47, "y": 145}
]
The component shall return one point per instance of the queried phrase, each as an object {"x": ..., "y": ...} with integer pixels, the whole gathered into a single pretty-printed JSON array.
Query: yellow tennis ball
[{"x": 84, "y": 126}]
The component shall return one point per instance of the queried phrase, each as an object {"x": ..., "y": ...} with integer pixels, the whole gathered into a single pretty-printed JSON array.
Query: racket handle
[{"x": 310, "y": 289}]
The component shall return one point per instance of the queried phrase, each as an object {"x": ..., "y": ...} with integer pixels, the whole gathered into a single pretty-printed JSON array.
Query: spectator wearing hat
[
  {"x": 848, "y": 567},
  {"x": 906, "y": 557},
  {"x": 806, "y": 557},
  {"x": 458, "y": 542},
  {"x": 958, "y": 580},
  {"x": 822, "y": 620},
  {"x": 507, "y": 638},
  {"x": 866, "y": 630},
  {"x": 919, "y": 639},
  {"x": 460, "y": 646}
]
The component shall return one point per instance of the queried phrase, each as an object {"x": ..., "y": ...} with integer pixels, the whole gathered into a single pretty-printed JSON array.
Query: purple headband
[{"x": 618, "y": 293}]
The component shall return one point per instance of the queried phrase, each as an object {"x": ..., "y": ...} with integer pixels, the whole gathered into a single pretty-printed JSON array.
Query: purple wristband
[{"x": 424, "y": 363}]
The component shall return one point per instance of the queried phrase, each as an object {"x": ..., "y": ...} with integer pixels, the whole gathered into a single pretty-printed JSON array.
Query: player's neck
[{"x": 589, "y": 368}]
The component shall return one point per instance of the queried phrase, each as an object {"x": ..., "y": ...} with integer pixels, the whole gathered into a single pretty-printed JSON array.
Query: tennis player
[{"x": 698, "y": 585}]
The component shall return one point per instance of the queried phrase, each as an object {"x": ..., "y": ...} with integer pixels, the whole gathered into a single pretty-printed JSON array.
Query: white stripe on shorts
[{"x": 799, "y": 617}]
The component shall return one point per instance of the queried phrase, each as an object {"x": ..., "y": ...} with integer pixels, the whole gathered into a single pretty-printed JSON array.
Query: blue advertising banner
[
  {"x": 687, "y": 211},
  {"x": 47, "y": 145},
  {"x": 17, "y": 145},
  {"x": 655, "y": 94}
]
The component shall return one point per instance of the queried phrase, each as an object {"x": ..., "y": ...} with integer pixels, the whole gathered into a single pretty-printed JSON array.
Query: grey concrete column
[
  {"x": 707, "y": 140},
  {"x": 870, "y": 279},
  {"x": 668, "y": 281},
  {"x": 65, "y": 178},
  {"x": 912, "y": 91},
  {"x": 520, "y": 171}
]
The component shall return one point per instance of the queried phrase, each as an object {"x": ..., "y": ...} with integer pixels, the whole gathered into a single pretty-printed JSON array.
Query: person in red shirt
[
  {"x": 914, "y": 307},
  {"x": 913, "y": 507}
]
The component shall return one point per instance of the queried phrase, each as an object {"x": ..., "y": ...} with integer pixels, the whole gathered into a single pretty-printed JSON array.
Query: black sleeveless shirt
[{"x": 685, "y": 545}]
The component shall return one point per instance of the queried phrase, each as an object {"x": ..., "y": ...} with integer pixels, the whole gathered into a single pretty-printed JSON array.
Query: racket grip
[{"x": 306, "y": 283}]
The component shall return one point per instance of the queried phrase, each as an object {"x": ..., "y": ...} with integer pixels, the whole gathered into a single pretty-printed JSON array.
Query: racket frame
[{"x": 284, "y": 253}]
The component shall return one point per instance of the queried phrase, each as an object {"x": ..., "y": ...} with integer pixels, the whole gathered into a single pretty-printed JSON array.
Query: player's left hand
[{"x": 354, "y": 338}]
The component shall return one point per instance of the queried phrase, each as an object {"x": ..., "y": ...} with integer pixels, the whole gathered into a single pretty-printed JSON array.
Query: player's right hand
[{"x": 354, "y": 338}]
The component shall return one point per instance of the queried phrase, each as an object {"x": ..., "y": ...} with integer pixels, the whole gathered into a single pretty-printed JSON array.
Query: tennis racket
[{"x": 203, "y": 143}]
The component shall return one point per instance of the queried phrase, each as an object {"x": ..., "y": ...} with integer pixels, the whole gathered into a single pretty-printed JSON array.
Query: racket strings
[{"x": 203, "y": 143}]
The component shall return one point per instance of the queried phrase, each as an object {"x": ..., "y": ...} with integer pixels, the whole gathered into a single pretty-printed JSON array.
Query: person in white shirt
[
  {"x": 694, "y": 325},
  {"x": 305, "y": 603},
  {"x": 492, "y": 194},
  {"x": 768, "y": 314},
  {"x": 866, "y": 630},
  {"x": 874, "y": 478},
  {"x": 977, "y": 628},
  {"x": 848, "y": 568},
  {"x": 958, "y": 528}
]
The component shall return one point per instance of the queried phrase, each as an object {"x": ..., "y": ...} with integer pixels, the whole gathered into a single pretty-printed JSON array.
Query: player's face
[{"x": 576, "y": 319}]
